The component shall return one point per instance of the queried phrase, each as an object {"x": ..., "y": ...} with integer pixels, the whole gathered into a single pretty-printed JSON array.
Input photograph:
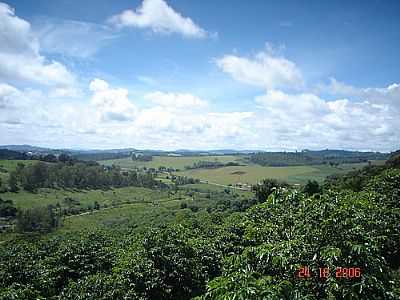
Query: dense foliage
[
  {"x": 9, "y": 154},
  {"x": 7, "y": 209},
  {"x": 211, "y": 165},
  {"x": 255, "y": 254},
  {"x": 76, "y": 175}
]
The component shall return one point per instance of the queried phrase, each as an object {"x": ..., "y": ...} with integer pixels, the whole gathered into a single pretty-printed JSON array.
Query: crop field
[
  {"x": 178, "y": 162},
  {"x": 44, "y": 197},
  {"x": 133, "y": 215},
  {"x": 133, "y": 206}
]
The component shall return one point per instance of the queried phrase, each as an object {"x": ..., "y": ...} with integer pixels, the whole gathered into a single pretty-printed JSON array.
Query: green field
[
  {"x": 132, "y": 214},
  {"x": 44, "y": 197},
  {"x": 170, "y": 161},
  {"x": 247, "y": 174},
  {"x": 138, "y": 206},
  {"x": 133, "y": 206},
  {"x": 252, "y": 174}
]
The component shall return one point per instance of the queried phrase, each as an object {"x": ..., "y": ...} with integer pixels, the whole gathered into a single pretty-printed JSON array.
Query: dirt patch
[{"x": 238, "y": 173}]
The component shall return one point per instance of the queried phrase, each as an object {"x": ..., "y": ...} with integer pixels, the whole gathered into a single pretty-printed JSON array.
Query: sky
[{"x": 179, "y": 74}]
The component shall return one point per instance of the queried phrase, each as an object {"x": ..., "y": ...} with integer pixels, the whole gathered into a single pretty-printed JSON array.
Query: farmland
[
  {"x": 246, "y": 173},
  {"x": 117, "y": 228}
]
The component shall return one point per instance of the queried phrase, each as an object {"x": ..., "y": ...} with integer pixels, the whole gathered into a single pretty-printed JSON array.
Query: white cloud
[
  {"x": 386, "y": 95},
  {"x": 176, "y": 100},
  {"x": 19, "y": 107},
  {"x": 110, "y": 119},
  {"x": 160, "y": 18},
  {"x": 279, "y": 120},
  {"x": 308, "y": 120},
  {"x": 111, "y": 104},
  {"x": 8, "y": 94},
  {"x": 19, "y": 54},
  {"x": 72, "y": 38},
  {"x": 264, "y": 70}
]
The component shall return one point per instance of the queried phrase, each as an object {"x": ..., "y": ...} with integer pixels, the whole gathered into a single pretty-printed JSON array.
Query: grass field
[
  {"x": 252, "y": 174},
  {"x": 249, "y": 174},
  {"x": 169, "y": 161}
]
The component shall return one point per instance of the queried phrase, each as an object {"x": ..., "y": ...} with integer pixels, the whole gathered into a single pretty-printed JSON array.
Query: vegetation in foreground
[{"x": 255, "y": 254}]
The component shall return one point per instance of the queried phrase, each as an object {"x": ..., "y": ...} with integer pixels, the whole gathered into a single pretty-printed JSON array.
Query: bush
[
  {"x": 311, "y": 188},
  {"x": 38, "y": 219},
  {"x": 7, "y": 209}
]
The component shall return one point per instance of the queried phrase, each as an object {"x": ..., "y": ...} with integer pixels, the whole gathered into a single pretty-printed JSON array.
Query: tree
[
  {"x": 312, "y": 187},
  {"x": 37, "y": 219},
  {"x": 7, "y": 209},
  {"x": 50, "y": 158},
  {"x": 13, "y": 182},
  {"x": 266, "y": 187},
  {"x": 96, "y": 205}
]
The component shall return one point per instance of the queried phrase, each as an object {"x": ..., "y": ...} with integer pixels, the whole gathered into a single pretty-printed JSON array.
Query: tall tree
[{"x": 13, "y": 182}]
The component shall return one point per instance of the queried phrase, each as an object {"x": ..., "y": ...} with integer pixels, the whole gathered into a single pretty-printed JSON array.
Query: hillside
[{"x": 341, "y": 242}]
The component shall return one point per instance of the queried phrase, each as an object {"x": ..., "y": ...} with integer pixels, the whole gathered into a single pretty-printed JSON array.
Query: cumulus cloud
[
  {"x": 19, "y": 54},
  {"x": 308, "y": 120},
  {"x": 279, "y": 120},
  {"x": 176, "y": 100},
  {"x": 19, "y": 107},
  {"x": 112, "y": 104},
  {"x": 264, "y": 70},
  {"x": 158, "y": 16},
  {"x": 110, "y": 118}
]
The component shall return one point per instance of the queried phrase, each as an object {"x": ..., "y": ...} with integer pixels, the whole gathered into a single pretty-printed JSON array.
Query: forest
[
  {"x": 307, "y": 157},
  {"x": 254, "y": 252}
]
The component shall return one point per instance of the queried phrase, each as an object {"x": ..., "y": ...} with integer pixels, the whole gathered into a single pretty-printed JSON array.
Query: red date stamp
[{"x": 326, "y": 272}]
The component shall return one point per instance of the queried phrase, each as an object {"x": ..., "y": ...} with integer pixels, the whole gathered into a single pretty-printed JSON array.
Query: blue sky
[{"x": 200, "y": 74}]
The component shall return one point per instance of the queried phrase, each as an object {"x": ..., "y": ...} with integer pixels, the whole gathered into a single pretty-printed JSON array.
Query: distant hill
[
  {"x": 10, "y": 154},
  {"x": 26, "y": 148},
  {"x": 305, "y": 157}
]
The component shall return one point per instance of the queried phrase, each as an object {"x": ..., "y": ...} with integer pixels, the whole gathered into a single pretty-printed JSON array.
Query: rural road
[{"x": 223, "y": 185}]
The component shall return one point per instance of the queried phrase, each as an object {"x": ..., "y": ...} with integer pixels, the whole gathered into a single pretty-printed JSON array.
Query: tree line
[
  {"x": 79, "y": 175},
  {"x": 211, "y": 165},
  {"x": 306, "y": 157}
]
